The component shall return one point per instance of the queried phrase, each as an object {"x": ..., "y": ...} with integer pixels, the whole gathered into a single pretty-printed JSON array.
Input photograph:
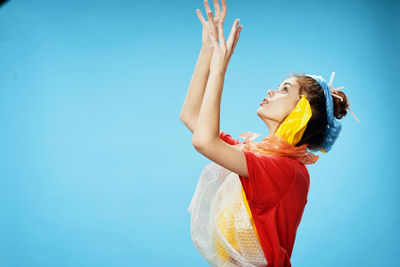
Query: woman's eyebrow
[
  {"x": 288, "y": 83},
  {"x": 285, "y": 83}
]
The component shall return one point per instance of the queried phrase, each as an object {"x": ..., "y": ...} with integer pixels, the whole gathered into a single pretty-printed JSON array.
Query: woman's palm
[
  {"x": 208, "y": 26},
  {"x": 212, "y": 23}
]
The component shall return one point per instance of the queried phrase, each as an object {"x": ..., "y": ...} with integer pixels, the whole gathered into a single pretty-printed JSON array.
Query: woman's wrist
[{"x": 218, "y": 72}]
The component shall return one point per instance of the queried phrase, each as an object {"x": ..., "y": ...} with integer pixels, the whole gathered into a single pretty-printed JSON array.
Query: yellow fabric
[
  {"x": 229, "y": 232},
  {"x": 293, "y": 127},
  {"x": 249, "y": 211}
]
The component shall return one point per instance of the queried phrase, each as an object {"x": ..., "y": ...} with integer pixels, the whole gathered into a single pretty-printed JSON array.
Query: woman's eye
[{"x": 284, "y": 89}]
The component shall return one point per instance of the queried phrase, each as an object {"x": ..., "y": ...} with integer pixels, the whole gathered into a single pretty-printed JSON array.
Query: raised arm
[
  {"x": 205, "y": 137},
  {"x": 194, "y": 96}
]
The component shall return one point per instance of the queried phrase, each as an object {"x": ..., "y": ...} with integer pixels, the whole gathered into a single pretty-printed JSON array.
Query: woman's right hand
[{"x": 212, "y": 23}]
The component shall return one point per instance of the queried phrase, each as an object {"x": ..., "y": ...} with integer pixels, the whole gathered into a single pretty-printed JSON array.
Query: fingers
[
  {"x": 210, "y": 16},
  {"x": 223, "y": 12},
  {"x": 208, "y": 10},
  {"x": 232, "y": 35},
  {"x": 237, "y": 36},
  {"x": 217, "y": 9},
  {"x": 201, "y": 18}
]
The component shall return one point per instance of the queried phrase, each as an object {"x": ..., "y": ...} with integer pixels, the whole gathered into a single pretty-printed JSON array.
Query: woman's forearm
[
  {"x": 194, "y": 96},
  {"x": 207, "y": 127}
]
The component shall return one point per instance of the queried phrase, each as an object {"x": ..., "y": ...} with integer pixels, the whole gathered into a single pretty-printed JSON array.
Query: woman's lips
[{"x": 265, "y": 101}]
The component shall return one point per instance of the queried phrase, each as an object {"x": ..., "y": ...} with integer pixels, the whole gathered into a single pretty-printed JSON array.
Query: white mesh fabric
[{"x": 221, "y": 227}]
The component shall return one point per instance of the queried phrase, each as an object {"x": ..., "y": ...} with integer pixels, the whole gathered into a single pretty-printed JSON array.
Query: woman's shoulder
[{"x": 299, "y": 166}]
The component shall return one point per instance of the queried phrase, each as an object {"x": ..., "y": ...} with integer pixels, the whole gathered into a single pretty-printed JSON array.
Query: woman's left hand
[{"x": 223, "y": 51}]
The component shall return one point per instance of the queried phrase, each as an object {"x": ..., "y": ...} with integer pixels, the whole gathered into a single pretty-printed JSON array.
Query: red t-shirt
[{"x": 276, "y": 191}]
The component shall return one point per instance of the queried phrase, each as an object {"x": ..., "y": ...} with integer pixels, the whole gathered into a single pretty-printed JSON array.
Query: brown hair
[{"x": 314, "y": 133}]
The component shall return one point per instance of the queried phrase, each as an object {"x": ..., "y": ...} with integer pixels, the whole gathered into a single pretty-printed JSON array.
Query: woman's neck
[{"x": 272, "y": 126}]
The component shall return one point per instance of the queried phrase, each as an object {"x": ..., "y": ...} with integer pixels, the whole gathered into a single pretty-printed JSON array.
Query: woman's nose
[{"x": 270, "y": 93}]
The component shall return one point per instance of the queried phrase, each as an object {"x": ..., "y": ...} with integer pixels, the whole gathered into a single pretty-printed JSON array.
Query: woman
[{"x": 249, "y": 201}]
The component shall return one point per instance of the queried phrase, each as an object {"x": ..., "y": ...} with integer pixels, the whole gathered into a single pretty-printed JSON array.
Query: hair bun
[{"x": 339, "y": 105}]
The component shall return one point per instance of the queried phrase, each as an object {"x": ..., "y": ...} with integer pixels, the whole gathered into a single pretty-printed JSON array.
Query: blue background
[{"x": 97, "y": 169}]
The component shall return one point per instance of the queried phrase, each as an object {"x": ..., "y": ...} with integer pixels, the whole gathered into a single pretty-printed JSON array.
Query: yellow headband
[{"x": 293, "y": 127}]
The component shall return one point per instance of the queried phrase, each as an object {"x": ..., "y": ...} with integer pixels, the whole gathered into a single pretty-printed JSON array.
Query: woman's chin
[
  {"x": 264, "y": 115},
  {"x": 261, "y": 112}
]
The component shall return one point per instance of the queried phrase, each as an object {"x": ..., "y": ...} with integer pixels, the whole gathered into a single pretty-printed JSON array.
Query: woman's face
[{"x": 280, "y": 102}]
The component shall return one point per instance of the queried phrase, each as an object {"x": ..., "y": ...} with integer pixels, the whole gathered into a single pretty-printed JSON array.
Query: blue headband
[{"x": 334, "y": 127}]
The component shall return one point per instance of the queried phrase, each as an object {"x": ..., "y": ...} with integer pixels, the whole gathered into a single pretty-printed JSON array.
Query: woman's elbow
[
  {"x": 188, "y": 122},
  {"x": 201, "y": 143},
  {"x": 182, "y": 117},
  {"x": 196, "y": 142}
]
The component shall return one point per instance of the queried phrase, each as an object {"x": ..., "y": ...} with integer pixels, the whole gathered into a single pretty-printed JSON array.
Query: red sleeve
[
  {"x": 227, "y": 138},
  {"x": 270, "y": 178}
]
